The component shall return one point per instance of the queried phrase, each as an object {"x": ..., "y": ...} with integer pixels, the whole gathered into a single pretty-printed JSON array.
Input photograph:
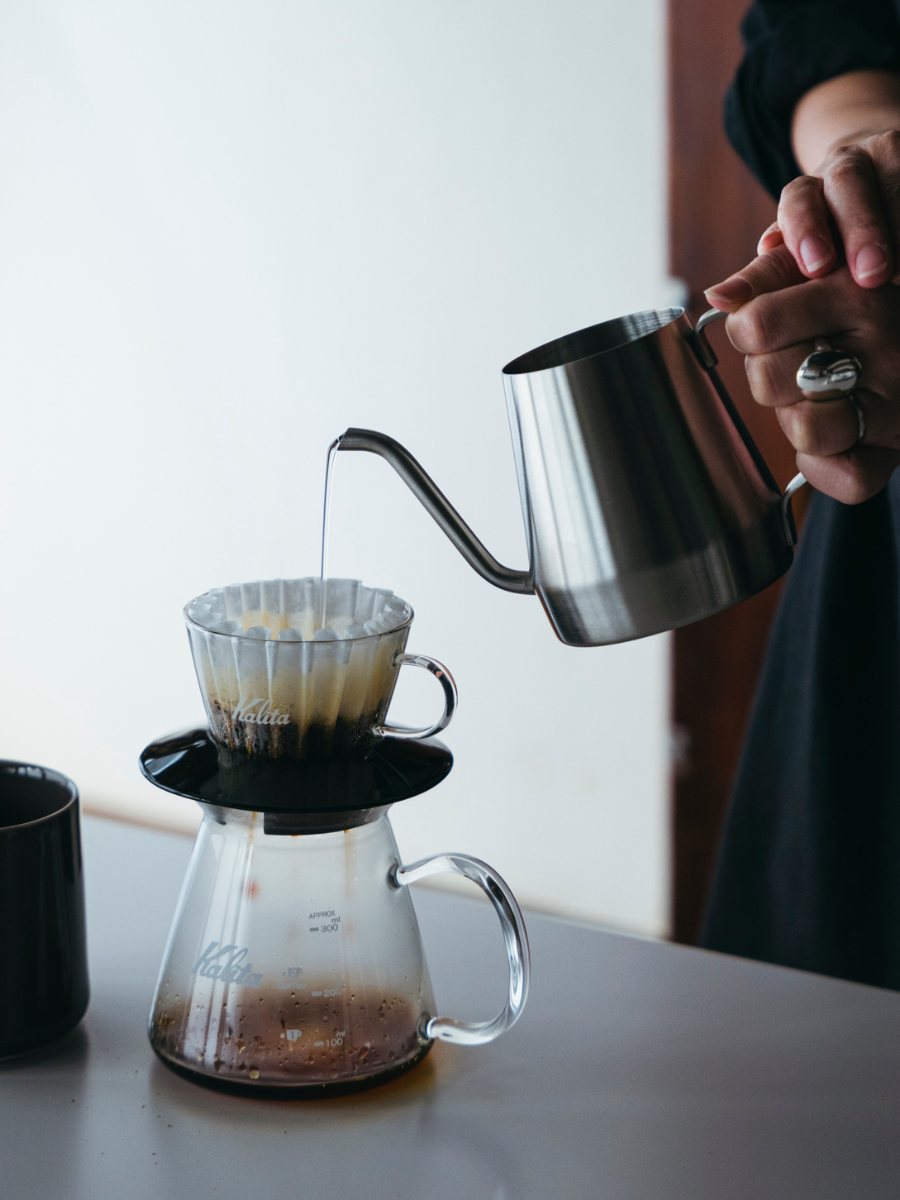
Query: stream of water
[{"x": 326, "y": 520}]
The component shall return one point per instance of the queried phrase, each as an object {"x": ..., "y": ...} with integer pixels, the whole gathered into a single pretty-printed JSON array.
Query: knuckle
[
  {"x": 847, "y": 158},
  {"x": 886, "y": 144},
  {"x": 800, "y": 196},
  {"x": 844, "y": 172},
  {"x": 803, "y": 185},
  {"x": 756, "y": 328},
  {"x": 782, "y": 266},
  {"x": 765, "y": 378}
]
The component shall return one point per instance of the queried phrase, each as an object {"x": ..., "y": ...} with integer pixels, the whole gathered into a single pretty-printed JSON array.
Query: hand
[
  {"x": 855, "y": 195},
  {"x": 777, "y": 315},
  {"x": 845, "y": 208}
]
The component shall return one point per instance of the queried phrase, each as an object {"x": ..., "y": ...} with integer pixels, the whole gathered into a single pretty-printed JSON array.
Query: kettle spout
[{"x": 434, "y": 500}]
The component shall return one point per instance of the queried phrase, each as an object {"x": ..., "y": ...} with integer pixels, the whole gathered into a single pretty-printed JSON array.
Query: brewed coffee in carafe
[
  {"x": 294, "y": 965},
  {"x": 293, "y": 960}
]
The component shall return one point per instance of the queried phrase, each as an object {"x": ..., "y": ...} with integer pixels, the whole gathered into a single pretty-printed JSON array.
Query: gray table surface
[{"x": 639, "y": 1070}]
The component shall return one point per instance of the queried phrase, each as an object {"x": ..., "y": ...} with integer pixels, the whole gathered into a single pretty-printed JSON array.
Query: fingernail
[
  {"x": 815, "y": 252},
  {"x": 769, "y": 241},
  {"x": 871, "y": 260},
  {"x": 735, "y": 290}
]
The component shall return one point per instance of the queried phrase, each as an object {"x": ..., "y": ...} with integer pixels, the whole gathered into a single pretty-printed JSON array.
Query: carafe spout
[{"x": 434, "y": 500}]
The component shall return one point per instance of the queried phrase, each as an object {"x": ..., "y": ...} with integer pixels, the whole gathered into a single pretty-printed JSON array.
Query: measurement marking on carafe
[
  {"x": 291, "y": 1034},
  {"x": 331, "y": 917},
  {"x": 330, "y": 1043},
  {"x": 291, "y": 975}
]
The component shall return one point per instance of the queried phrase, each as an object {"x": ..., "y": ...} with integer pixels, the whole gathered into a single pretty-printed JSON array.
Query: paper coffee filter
[{"x": 273, "y": 680}]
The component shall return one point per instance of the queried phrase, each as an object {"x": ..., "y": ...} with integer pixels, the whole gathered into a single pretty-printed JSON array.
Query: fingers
[
  {"x": 849, "y": 209},
  {"x": 851, "y": 477},
  {"x": 769, "y": 272},
  {"x": 853, "y": 192},
  {"x": 819, "y": 308},
  {"x": 773, "y": 377},
  {"x": 822, "y": 427},
  {"x": 805, "y": 225}
]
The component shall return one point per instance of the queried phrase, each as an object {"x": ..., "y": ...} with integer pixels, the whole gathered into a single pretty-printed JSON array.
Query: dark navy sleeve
[{"x": 790, "y": 47}]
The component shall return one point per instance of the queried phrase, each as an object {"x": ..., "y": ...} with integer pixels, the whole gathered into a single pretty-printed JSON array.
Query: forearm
[{"x": 843, "y": 111}]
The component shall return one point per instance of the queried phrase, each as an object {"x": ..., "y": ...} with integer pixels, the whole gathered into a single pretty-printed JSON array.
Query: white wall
[{"x": 228, "y": 231}]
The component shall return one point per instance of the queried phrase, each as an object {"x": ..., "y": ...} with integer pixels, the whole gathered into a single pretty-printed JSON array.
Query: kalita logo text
[{"x": 264, "y": 715}]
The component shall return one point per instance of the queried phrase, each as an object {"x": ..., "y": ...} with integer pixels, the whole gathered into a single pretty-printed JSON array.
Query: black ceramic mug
[{"x": 43, "y": 952}]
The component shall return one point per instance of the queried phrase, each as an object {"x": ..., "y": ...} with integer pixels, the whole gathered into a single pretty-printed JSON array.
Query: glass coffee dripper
[
  {"x": 284, "y": 677},
  {"x": 294, "y": 966}
]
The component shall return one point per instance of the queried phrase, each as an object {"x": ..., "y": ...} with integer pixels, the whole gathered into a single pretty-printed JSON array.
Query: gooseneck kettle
[{"x": 646, "y": 502}]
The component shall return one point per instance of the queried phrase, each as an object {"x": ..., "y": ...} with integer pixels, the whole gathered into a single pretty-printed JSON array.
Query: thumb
[{"x": 770, "y": 272}]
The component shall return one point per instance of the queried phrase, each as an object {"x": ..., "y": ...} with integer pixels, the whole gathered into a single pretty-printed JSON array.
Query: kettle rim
[{"x": 593, "y": 341}]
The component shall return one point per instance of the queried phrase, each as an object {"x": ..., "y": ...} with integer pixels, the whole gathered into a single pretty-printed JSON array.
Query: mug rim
[
  {"x": 530, "y": 363},
  {"x": 47, "y": 775}
]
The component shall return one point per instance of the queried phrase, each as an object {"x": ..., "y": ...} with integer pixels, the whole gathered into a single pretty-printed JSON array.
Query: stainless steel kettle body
[{"x": 646, "y": 503}]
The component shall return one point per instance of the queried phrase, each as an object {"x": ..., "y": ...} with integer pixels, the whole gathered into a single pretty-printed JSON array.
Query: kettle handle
[
  {"x": 476, "y": 1033},
  {"x": 709, "y": 361}
]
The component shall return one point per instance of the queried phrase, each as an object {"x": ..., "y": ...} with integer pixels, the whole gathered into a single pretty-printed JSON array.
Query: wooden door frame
[{"x": 717, "y": 212}]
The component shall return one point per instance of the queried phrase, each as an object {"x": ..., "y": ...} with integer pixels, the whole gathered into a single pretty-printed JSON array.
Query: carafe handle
[
  {"x": 451, "y": 697},
  {"x": 476, "y": 1033}
]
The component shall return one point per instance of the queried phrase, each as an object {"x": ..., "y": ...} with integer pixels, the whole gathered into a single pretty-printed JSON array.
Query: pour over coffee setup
[{"x": 294, "y": 966}]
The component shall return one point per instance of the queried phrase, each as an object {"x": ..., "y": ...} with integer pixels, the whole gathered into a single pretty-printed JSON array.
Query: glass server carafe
[{"x": 295, "y": 964}]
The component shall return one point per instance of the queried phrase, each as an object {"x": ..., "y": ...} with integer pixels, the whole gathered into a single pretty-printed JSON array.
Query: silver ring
[
  {"x": 832, "y": 373},
  {"x": 827, "y": 370}
]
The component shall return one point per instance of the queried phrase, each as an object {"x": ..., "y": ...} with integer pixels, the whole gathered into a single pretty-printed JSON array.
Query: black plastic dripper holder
[{"x": 190, "y": 764}]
